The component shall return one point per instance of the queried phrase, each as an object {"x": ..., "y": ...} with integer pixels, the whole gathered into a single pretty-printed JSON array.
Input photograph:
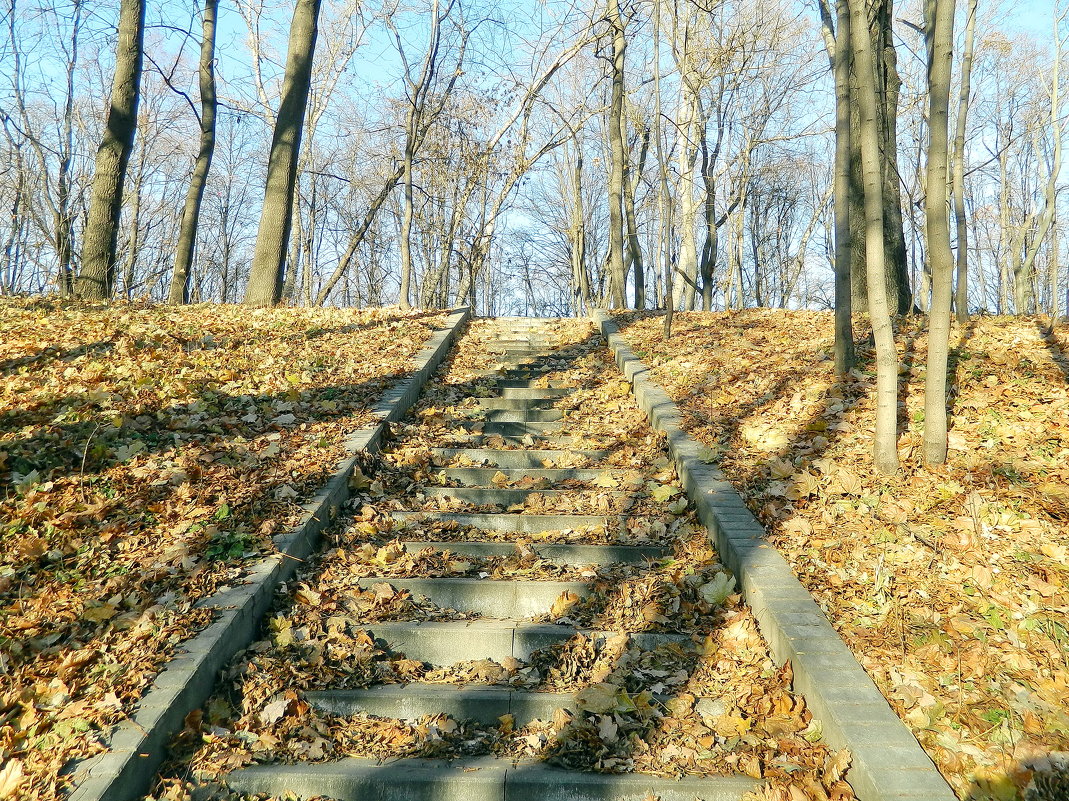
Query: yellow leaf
[
  {"x": 11, "y": 777},
  {"x": 98, "y": 614},
  {"x": 605, "y": 480}
]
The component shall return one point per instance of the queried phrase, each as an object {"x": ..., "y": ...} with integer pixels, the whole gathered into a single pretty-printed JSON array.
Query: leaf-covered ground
[
  {"x": 711, "y": 703},
  {"x": 146, "y": 454},
  {"x": 950, "y": 584}
]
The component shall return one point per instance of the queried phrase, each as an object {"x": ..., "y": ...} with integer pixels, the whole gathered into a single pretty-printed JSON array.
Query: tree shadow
[{"x": 50, "y": 354}]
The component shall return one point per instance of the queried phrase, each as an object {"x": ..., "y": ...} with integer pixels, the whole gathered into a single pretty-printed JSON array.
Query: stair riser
[
  {"x": 483, "y": 476},
  {"x": 483, "y": 704},
  {"x": 504, "y": 497},
  {"x": 515, "y": 459},
  {"x": 499, "y": 599},
  {"x": 573, "y": 555},
  {"x": 530, "y": 524}
]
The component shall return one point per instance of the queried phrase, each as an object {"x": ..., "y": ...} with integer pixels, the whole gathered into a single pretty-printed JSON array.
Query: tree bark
[
  {"x": 961, "y": 287},
  {"x": 276, "y": 218},
  {"x": 886, "y": 85},
  {"x": 837, "y": 36},
  {"x": 617, "y": 270},
  {"x": 885, "y": 444},
  {"x": 939, "y": 41},
  {"x": 187, "y": 234},
  {"x": 96, "y": 281},
  {"x": 1023, "y": 275}
]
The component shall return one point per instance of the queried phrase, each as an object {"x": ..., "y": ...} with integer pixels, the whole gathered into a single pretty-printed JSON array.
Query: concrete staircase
[{"x": 523, "y": 414}]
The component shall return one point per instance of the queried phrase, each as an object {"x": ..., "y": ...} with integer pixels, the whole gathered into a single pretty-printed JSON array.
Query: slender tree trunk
[
  {"x": 939, "y": 41},
  {"x": 961, "y": 289},
  {"x": 886, "y": 84},
  {"x": 688, "y": 248},
  {"x": 133, "y": 219},
  {"x": 617, "y": 270},
  {"x": 187, "y": 233},
  {"x": 96, "y": 281},
  {"x": 276, "y": 218},
  {"x": 885, "y": 445},
  {"x": 843, "y": 189},
  {"x": 1024, "y": 275},
  {"x": 634, "y": 249}
]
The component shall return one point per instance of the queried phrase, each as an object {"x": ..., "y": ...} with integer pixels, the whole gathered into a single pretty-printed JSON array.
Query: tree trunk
[
  {"x": 276, "y": 218},
  {"x": 1023, "y": 276},
  {"x": 886, "y": 84},
  {"x": 961, "y": 289},
  {"x": 885, "y": 445},
  {"x": 634, "y": 249},
  {"x": 187, "y": 234},
  {"x": 617, "y": 271},
  {"x": 688, "y": 248},
  {"x": 96, "y": 281},
  {"x": 840, "y": 55},
  {"x": 939, "y": 41}
]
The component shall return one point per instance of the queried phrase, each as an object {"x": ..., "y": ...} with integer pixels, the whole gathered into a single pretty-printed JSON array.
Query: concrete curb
[
  {"x": 888, "y": 762},
  {"x": 138, "y": 744}
]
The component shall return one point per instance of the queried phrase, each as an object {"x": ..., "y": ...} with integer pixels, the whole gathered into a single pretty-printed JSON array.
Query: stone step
[
  {"x": 533, "y": 393},
  {"x": 483, "y": 703},
  {"x": 484, "y": 476},
  {"x": 506, "y": 382},
  {"x": 499, "y": 599},
  {"x": 514, "y": 428},
  {"x": 521, "y": 415},
  {"x": 515, "y": 458},
  {"x": 516, "y": 404},
  {"x": 573, "y": 555},
  {"x": 476, "y": 779},
  {"x": 507, "y": 496},
  {"x": 444, "y": 643},
  {"x": 529, "y": 524}
]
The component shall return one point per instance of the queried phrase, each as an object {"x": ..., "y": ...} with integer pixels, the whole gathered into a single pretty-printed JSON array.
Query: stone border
[
  {"x": 138, "y": 744},
  {"x": 888, "y": 763}
]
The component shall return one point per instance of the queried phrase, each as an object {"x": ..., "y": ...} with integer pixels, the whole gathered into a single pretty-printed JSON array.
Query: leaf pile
[
  {"x": 950, "y": 584},
  {"x": 708, "y": 702},
  {"x": 145, "y": 453}
]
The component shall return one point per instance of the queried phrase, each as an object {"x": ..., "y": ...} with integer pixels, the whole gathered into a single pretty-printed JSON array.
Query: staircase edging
[
  {"x": 888, "y": 764},
  {"x": 137, "y": 745}
]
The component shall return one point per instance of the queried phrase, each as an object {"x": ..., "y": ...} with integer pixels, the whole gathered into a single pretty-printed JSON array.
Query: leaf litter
[
  {"x": 147, "y": 453},
  {"x": 949, "y": 584},
  {"x": 708, "y": 702}
]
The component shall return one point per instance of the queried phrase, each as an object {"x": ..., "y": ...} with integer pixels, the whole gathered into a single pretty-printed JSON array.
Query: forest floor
[
  {"x": 147, "y": 455},
  {"x": 950, "y": 584}
]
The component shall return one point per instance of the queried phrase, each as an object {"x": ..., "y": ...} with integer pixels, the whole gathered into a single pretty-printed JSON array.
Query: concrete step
[
  {"x": 513, "y": 459},
  {"x": 484, "y": 476},
  {"x": 500, "y": 599},
  {"x": 506, "y": 382},
  {"x": 521, "y": 415},
  {"x": 530, "y": 524},
  {"x": 476, "y": 779},
  {"x": 484, "y": 703},
  {"x": 516, "y": 404},
  {"x": 532, "y": 393},
  {"x": 513, "y": 429},
  {"x": 444, "y": 643},
  {"x": 507, "y": 496},
  {"x": 573, "y": 555}
]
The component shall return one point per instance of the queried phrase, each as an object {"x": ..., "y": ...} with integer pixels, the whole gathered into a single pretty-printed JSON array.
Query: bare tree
[
  {"x": 939, "y": 43},
  {"x": 272, "y": 239},
  {"x": 96, "y": 281},
  {"x": 187, "y": 236},
  {"x": 885, "y": 443}
]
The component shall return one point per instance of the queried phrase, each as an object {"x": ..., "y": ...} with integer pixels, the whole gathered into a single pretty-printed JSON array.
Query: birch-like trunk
[
  {"x": 617, "y": 270},
  {"x": 961, "y": 287},
  {"x": 939, "y": 41},
  {"x": 885, "y": 444}
]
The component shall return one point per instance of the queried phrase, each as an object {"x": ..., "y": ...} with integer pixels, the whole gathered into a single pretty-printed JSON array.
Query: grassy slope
[
  {"x": 146, "y": 453},
  {"x": 949, "y": 584}
]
